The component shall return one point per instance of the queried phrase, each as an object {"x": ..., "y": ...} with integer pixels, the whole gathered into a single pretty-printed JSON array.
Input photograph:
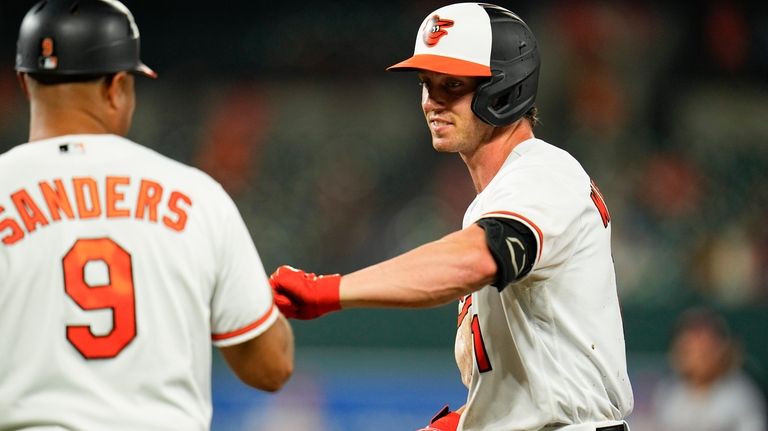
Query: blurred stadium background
[{"x": 288, "y": 106}]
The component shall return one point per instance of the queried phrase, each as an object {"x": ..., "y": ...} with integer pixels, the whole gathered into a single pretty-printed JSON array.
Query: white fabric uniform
[
  {"x": 122, "y": 271},
  {"x": 553, "y": 341}
]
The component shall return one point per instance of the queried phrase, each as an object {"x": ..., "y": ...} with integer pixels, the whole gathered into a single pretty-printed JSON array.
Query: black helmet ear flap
[{"x": 497, "y": 102}]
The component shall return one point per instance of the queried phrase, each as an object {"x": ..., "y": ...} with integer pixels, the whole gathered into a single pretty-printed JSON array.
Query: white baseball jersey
[
  {"x": 548, "y": 349},
  {"x": 119, "y": 268}
]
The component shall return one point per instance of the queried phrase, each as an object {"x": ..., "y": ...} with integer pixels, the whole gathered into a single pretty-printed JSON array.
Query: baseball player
[
  {"x": 540, "y": 343},
  {"x": 118, "y": 267}
]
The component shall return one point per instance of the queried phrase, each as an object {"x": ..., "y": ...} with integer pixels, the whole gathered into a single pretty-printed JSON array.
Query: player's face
[{"x": 447, "y": 104}]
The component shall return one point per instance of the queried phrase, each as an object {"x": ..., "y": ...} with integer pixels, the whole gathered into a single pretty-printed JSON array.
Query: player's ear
[{"x": 22, "y": 78}]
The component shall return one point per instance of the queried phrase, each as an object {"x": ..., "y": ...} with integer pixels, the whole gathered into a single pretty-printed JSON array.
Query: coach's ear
[
  {"x": 22, "y": 78},
  {"x": 120, "y": 100},
  {"x": 118, "y": 90}
]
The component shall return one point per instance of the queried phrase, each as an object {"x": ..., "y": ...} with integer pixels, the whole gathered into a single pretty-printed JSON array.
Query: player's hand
[
  {"x": 302, "y": 295},
  {"x": 444, "y": 420}
]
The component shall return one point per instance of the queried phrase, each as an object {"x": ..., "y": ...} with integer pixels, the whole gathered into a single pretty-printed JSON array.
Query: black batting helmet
[
  {"x": 75, "y": 38},
  {"x": 480, "y": 39}
]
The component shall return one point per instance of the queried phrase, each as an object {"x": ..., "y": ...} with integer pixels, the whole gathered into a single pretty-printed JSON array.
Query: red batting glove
[
  {"x": 444, "y": 420},
  {"x": 302, "y": 295}
]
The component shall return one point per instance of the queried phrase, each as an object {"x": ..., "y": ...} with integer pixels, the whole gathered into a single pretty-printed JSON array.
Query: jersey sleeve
[
  {"x": 242, "y": 306},
  {"x": 548, "y": 202}
]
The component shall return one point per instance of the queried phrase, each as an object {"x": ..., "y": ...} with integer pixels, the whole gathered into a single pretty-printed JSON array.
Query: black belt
[{"x": 619, "y": 427}]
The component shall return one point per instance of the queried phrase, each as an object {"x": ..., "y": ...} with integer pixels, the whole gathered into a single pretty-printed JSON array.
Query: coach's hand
[{"x": 302, "y": 295}]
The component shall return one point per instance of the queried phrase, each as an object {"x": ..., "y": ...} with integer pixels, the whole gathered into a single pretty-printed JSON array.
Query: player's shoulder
[
  {"x": 536, "y": 157},
  {"x": 537, "y": 150}
]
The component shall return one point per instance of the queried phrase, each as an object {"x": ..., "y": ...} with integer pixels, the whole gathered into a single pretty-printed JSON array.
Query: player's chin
[{"x": 442, "y": 145}]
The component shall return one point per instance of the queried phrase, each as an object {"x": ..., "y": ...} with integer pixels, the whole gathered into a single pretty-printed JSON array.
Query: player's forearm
[{"x": 431, "y": 275}]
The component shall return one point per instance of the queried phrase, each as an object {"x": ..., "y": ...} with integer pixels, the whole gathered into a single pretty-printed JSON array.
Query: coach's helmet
[
  {"x": 79, "y": 38},
  {"x": 480, "y": 39}
]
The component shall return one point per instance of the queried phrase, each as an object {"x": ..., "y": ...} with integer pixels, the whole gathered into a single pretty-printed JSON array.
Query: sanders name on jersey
[{"x": 109, "y": 197}]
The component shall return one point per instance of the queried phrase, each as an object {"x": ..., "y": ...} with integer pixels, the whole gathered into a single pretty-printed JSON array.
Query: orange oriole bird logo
[{"x": 436, "y": 29}]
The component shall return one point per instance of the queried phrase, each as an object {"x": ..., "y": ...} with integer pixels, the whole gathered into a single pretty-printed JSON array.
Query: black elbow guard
[{"x": 512, "y": 246}]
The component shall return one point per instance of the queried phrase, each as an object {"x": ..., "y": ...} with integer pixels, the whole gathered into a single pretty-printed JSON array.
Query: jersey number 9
[{"x": 117, "y": 295}]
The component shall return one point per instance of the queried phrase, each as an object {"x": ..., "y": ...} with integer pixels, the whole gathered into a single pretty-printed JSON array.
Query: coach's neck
[{"x": 103, "y": 106}]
